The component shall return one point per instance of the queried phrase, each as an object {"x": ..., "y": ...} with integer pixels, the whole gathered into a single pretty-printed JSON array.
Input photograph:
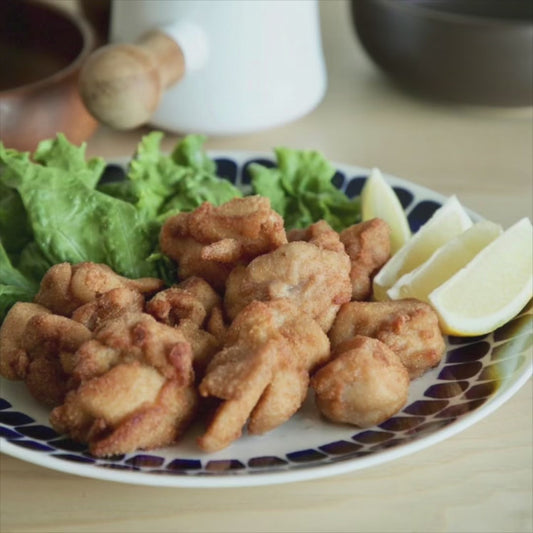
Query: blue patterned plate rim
[{"x": 475, "y": 378}]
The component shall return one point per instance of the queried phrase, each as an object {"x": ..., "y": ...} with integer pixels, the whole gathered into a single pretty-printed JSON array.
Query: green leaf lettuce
[{"x": 301, "y": 190}]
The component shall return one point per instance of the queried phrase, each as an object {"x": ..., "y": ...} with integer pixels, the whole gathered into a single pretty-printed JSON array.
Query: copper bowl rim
[
  {"x": 88, "y": 42},
  {"x": 430, "y": 12}
]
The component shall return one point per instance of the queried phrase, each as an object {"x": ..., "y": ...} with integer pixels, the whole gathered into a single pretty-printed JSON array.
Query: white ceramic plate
[{"x": 476, "y": 376}]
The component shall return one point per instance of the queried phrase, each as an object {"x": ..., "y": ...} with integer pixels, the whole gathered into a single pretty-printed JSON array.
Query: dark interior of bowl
[
  {"x": 476, "y": 51},
  {"x": 510, "y": 10},
  {"x": 36, "y": 41}
]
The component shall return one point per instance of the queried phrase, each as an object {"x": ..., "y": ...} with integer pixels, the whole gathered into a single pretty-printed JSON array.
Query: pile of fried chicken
[{"x": 259, "y": 316}]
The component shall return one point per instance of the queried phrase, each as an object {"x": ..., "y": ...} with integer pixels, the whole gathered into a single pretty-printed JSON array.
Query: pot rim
[
  {"x": 429, "y": 12},
  {"x": 88, "y": 43}
]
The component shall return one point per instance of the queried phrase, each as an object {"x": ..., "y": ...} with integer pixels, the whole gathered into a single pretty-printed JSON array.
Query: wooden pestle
[{"x": 122, "y": 84}]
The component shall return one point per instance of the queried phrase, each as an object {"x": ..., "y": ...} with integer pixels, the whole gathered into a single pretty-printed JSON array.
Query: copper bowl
[
  {"x": 42, "y": 49},
  {"x": 476, "y": 52}
]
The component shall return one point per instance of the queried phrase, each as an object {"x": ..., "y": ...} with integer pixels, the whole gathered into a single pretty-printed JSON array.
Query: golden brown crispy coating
[
  {"x": 66, "y": 287},
  {"x": 188, "y": 307},
  {"x": 250, "y": 222},
  {"x": 238, "y": 376},
  {"x": 284, "y": 322},
  {"x": 136, "y": 386},
  {"x": 203, "y": 292},
  {"x": 113, "y": 395},
  {"x": 409, "y": 328},
  {"x": 216, "y": 324},
  {"x": 13, "y": 358},
  {"x": 282, "y": 397},
  {"x": 262, "y": 373},
  {"x": 108, "y": 306},
  {"x": 364, "y": 385},
  {"x": 188, "y": 254},
  {"x": 204, "y": 345},
  {"x": 46, "y": 381},
  {"x": 320, "y": 234},
  {"x": 173, "y": 305},
  {"x": 49, "y": 342},
  {"x": 130, "y": 407},
  {"x": 91, "y": 279},
  {"x": 54, "y": 292},
  {"x": 315, "y": 279},
  {"x": 91, "y": 359},
  {"x": 192, "y": 299},
  {"x": 209, "y": 241},
  {"x": 139, "y": 337},
  {"x": 368, "y": 245}
]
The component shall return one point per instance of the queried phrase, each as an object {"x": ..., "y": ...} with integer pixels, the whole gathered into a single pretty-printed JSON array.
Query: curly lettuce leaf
[
  {"x": 300, "y": 189},
  {"x": 14, "y": 286},
  {"x": 32, "y": 262},
  {"x": 15, "y": 231},
  {"x": 69, "y": 219},
  {"x": 60, "y": 153},
  {"x": 159, "y": 185},
  {"x": 190, "y": 153}
]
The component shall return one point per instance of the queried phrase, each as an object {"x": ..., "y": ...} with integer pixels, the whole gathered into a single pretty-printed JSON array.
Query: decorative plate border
[{"x": 476, "y": 376}]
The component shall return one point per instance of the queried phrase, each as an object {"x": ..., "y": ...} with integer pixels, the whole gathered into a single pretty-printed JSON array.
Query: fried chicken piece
[
  {"x": 192, "y": 299},
  {"x": 203, "y": 292},
  {"x": 216, "y": 324},
  {"x": 66, "y": 287},
  {"x": 13, "y": 358},
  {"x": 262, "y": 373},
  {"x": 209, "y": 241},
  {"x": 188, "y": 254},
  {"x": 109, "y": 305},
  {"x": 320, "y": 234},
  {"x": 130, "y": 407},
  {"x": 282, "y": 397},
  {"x": 189, "y": 306},
  {"x": 136, "y": 387},
  {"x": 368, "y": 246},
  {"x": 315, "y": 279},
  {"x": 238, "y": 376},
  {"x": 48, "y": 343},
  {"x": 134, "y": 337},
  {"x": 204, "y": 345},
  {"x": 249, "y": 222},
  {"x": 365, "y": 385},
  {"x": 410, "y": 328}
]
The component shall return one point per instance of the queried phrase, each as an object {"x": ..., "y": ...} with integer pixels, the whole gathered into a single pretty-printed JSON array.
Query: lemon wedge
[
  {"x": 445, "y": 262},
  {"x": 378, "y": 200},
  {"x": 446, "y": 223},
  {"x": 492, "y": 288}
]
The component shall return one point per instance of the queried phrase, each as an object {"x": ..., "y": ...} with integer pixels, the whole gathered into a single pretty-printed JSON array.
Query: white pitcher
[{"x": 219, "y": 67}]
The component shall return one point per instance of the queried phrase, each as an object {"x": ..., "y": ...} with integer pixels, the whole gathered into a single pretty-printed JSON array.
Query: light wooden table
[{"x": 477, "y": 481}]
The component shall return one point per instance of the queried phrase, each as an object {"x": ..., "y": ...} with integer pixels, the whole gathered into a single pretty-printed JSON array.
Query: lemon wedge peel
[
  {"x": 378, "y": 200},
  {"x": 445, "y": 262},
  {"x": 492, "y": 288},
  {"x": 447, "y": 222}
]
